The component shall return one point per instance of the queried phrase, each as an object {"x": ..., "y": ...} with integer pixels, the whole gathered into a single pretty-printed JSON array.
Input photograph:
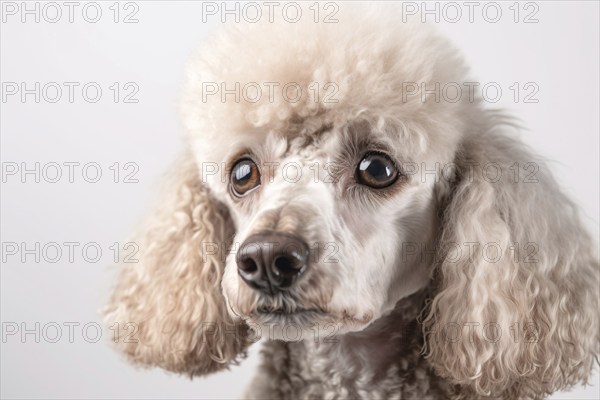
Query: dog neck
[{"x": 382, "y": 361}]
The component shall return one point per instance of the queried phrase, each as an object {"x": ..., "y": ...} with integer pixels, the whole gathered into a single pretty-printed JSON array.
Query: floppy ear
[
  {"x": 168, "y": 307},
  {"x": 518, "y": 317}
]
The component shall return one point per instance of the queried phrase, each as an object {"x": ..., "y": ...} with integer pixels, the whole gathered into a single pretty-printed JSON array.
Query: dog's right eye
[{"x": 244, "y": 177}]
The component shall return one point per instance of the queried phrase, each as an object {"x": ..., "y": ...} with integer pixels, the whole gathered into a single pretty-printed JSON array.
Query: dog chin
[{"x": 301, "y": 325}]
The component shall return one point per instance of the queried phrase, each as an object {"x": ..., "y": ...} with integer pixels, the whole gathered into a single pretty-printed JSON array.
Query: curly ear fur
[
  {"x": 173, "y": 294},
  {"x": 545, "y": 304}
]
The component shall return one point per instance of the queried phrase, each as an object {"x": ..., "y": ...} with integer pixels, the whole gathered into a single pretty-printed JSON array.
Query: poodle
[{"x": 383, "y": 240}]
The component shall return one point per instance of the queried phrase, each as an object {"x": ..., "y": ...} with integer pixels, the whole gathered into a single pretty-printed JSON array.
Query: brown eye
[
  {"x": 244, "y": 177},
  {"x": 376, "y": 170}
]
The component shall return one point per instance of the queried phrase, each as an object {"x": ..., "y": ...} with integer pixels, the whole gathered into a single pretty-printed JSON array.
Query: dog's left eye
[
  {"x": 244, "y": 177},
  {"x": 376, "y": 170}
]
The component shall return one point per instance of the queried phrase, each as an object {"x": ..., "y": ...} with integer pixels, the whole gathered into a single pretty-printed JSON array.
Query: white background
[{"x": 559, "y": 54}]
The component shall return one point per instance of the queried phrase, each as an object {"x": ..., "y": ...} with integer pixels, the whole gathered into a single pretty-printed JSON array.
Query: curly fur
[
  {"x": 390, "y": 309},
  {"x": 174, "y": 289},
  {"x": 557, "y": 292}
]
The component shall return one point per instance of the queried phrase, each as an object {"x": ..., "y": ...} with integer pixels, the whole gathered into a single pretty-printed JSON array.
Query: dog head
[{"x": 319, "y": 155}]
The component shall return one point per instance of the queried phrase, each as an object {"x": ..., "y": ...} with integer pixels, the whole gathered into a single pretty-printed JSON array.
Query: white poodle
[{"x": 385, "y": 242}]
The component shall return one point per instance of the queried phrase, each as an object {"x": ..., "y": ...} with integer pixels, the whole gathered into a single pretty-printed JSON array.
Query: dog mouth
[
  {"x": 295, "y": 324},
  {"x": 282, "y": 313},
  {"x": 292, "y": 324},
  {"x": 298, "y": 316}
]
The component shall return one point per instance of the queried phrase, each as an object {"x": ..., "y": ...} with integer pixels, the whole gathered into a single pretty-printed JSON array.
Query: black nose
[{"x": 272, "y": 261}]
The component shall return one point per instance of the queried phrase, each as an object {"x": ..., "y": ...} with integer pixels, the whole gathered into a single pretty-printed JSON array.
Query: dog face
[
  {"x": 328, "y": 184},
  {"x": 318, "y": 218}
]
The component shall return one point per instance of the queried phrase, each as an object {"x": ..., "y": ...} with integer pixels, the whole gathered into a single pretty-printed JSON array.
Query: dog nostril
[
  {"x": 248, "y": 265},
  {"x": 285, "y": 265}
]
